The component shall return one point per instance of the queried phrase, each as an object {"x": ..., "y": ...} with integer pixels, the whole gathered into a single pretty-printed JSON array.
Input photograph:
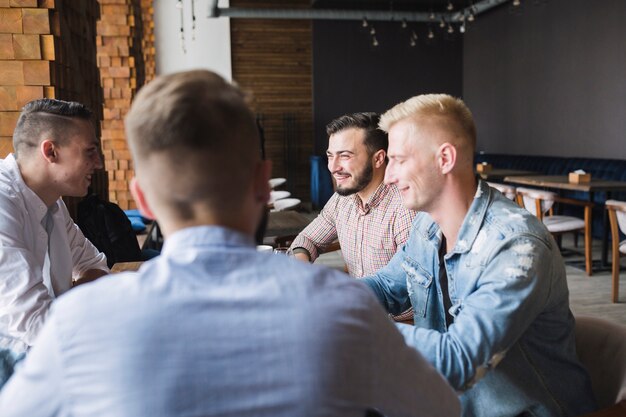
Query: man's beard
[{"x": 362, "y": 180}]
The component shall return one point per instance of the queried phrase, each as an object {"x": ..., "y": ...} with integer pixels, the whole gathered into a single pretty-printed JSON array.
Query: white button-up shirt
[{"x": 31, "y": 274}]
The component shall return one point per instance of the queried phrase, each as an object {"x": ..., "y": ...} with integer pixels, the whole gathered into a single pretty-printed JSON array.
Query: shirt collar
[
  {"x": 375, "y": 199},
  {"x": 206, "y": 236},
  {"x": 474, "y": 219},
  {"x": 34, "y": 204}
]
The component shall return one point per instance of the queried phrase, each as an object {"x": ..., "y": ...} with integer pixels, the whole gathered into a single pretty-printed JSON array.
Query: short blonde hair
[{"x": 457, "y": 118}]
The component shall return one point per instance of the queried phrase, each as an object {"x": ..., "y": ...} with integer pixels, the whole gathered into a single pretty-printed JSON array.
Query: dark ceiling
[{"x": 437, "y": 6}]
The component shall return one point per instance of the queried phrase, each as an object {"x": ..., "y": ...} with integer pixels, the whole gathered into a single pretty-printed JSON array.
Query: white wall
[{"x": 210, "y": 49}]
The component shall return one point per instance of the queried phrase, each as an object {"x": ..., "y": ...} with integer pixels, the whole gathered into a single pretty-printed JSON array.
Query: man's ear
[
  {"x": 140, "y": 199},
  {"x": 262, "y": 181},
  {"x": 379, "y": 158},
  {"x": 446, "y": 157},
  {"x": 49, "y": 150}
]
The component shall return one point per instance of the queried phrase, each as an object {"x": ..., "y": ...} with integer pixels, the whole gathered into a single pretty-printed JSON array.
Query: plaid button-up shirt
[{"x": 369, "y": 234}]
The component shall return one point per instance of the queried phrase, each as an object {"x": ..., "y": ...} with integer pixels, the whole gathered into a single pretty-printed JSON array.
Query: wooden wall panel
[{"x": 271, "y": 59}]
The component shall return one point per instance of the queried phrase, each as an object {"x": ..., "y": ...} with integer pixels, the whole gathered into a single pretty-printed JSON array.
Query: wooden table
[
  {"x": 280, "y": 223},
  {"x": 561, "y": 182},
  {"x": 497, "y": 174},
  {"x": 125, "y": 266}
]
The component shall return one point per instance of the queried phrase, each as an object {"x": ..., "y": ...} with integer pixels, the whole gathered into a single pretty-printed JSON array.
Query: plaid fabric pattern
[{"x": 369, "y": 234}]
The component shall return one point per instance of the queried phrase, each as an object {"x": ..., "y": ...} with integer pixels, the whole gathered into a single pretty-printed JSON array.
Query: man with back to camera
[
  {"x": 201, "y": 330},
  {"x": 484, "y": 276},
  {"x": 42, "y": 252}
]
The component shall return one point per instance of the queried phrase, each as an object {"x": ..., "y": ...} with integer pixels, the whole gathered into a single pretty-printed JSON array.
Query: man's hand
[
  {"x": 302, "y": 256},
  {"x": 89, "y": 276}
]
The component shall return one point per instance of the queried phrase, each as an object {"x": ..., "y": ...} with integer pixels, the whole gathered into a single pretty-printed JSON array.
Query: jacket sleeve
[
  {"x": 85, "y": 255},
  {"x": 510, "y": 293}
]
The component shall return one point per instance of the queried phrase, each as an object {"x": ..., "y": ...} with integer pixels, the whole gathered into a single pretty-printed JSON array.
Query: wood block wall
[
  {"x": 47, "y": 49},
  {"x": 271, "y": 59},
  {"x": 122, "y": 70}
]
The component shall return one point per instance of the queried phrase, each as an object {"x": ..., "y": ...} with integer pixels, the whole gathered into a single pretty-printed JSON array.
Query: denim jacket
[{"x": 510, "y": 348}]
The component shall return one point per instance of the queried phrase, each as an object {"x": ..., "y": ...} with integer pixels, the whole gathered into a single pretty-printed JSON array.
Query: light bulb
[
  {"x": 516, "y": 3},
  {"x": 374, "y": 41},
  {"x": 462, "y": 28},
  {"x": 412, "y": 42},
  {"x": 450, "y": 29},
  {"x": 372, "y": 31},
  {"x": 442, "y": 24},
  {"x": 430, "y": 34},
  {"x": 470, "y": 18},
  {"x": 413, "y": 35},
  {"x": 450, "y": 6},
  {"x": 364, "y": 24},
  {"x": 404, "y": 25}
]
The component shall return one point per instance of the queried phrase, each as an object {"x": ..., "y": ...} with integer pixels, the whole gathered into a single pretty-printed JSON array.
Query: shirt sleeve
[
  {"x": 24, "y": 299},
  {"x": 36, "y": 388},
  {"x": 385, "y": 373},
  {"x": 402, "y": 225},
  {"x": 320, "y": 232},
  {"x": 511, "y": 292},
  {"x": 389, "y": 282},
  {"x": 85, "y": 255}
]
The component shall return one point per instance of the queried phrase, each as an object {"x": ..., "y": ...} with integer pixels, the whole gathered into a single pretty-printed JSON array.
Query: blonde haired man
[
  {"x": 484, "y": 276},
  {"x": 213, "y": 327}
]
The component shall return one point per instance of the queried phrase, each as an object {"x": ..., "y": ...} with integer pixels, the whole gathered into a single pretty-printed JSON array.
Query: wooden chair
[
  {"x": 601, "y": 348},
  {"x": 541, "y": 204},
  {"x": 617, "y": 218},
  {"x": 507, "y": 190}
]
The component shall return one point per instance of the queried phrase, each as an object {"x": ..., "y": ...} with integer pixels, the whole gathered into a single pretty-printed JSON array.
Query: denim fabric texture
[{"x": 510, "y": 349}]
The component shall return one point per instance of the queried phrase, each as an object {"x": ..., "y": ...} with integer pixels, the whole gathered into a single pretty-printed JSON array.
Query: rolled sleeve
[{"x": 321, "y": 232}]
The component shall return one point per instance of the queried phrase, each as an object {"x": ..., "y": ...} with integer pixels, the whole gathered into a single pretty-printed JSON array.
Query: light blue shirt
[
  {"x": 511, "y": 345},
  {"x": 213, "y": 327}
]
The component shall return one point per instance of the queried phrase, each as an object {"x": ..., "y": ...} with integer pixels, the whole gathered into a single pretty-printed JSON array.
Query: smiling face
[
  {"x": 349, "y": 161},
  {"x": 413, "y": 164},
  {"x": 77, "y": 159}
]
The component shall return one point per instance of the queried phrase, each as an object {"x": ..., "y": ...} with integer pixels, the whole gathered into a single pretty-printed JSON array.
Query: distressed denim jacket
[{"x": 510, "y": 349}]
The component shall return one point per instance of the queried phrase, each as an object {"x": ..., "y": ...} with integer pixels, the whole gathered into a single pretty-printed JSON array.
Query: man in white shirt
[
  {"x": 42, "y": 252},
  {"x": 213, "y": 327}
]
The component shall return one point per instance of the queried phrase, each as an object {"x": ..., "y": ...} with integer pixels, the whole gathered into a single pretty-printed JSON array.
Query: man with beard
[
  {"x": 365, "y": 215},
  {"x": 212, "y": 327}
]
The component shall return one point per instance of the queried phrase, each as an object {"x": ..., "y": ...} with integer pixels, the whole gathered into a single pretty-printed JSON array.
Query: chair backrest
[
  {"x": 538, "y": 202},
  {"x": 601, "y": 347},
  {"x": 278, "y": 195},
  {"x": 620, "y": 212},
  {"x": 507, "y": 190},
  {"x": 286, "y": 204}
]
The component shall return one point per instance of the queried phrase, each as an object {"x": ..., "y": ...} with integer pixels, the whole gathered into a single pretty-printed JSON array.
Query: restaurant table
[
  {"x": 125, "y": 266},
  {"x": 561, "y": 182},
  {"x": 289, "y": 222},
  {"x": 497, "y": 174}
]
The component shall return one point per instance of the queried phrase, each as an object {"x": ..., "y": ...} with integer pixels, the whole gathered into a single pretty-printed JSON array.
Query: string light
[
  {"x": 364, "y": 24},
  {"x": 374, "y": 41},
  {"x": 450, "y": 7},
  {"x": 193, "y": 20},
  {"x": 179, "y": 5}
]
